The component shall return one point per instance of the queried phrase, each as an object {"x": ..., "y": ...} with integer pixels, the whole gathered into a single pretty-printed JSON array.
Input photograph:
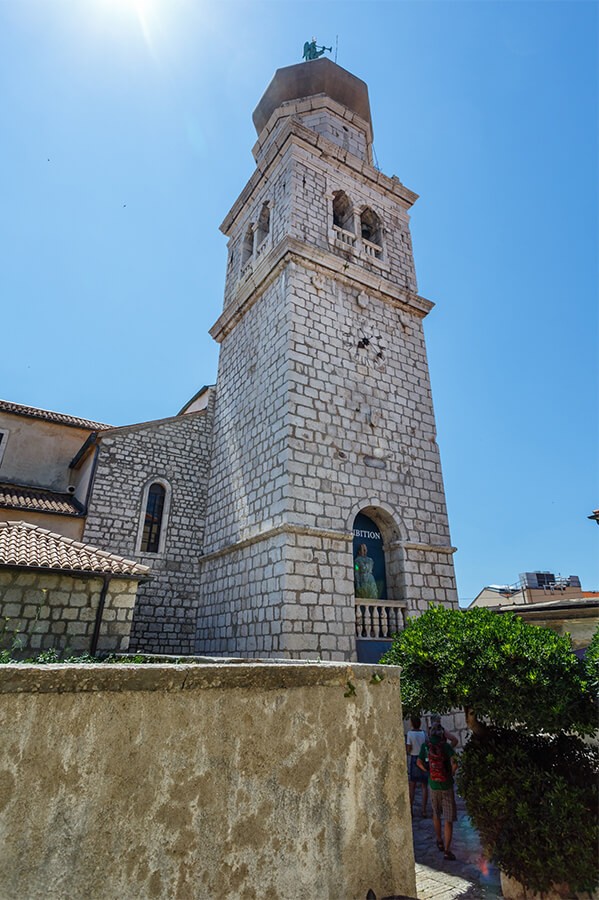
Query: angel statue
[{"x": 311, "y": 51}]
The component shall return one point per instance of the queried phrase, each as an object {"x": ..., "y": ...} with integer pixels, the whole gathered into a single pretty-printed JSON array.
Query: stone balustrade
[
  {"x": 379, "y": 619},
  {"x": 346, "y": 237},
  {"x": 371, "y": 249}
]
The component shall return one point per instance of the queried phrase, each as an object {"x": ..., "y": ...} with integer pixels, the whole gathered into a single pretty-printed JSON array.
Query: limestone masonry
[{"x": 297, "y": 509}]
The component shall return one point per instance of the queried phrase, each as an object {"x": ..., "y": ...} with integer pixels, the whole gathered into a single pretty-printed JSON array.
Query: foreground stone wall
[
  {"x": 49, "y": 610},
  {"x": 281, "y": 781}
]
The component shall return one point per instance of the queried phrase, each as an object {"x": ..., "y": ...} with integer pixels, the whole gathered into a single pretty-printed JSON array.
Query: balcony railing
[
  {"x": 371, "y": 249},
  {"x": 378, "y": 620},
  {"x": 346, "y": 237}
]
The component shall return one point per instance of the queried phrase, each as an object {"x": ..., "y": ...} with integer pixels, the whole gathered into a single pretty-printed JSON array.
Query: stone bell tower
[{"x": 324, "y": 425}]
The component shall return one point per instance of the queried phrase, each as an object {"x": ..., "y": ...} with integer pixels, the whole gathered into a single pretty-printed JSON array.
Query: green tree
[{"x": 528, "y": 778}]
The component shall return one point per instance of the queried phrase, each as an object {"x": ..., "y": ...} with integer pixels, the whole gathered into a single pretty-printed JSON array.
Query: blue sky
[{"x": 127, "y": 135}]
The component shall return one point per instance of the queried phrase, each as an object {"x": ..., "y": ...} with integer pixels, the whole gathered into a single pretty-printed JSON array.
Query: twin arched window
[{"x": 370, "y": 225}]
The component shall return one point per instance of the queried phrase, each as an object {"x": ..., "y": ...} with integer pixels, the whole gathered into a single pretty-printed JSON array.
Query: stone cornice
[
  {"x": 292, "y": 131},
  {"x": 325, "y": 263},
  {"x": 284, "y": 528},
  {"x": 292, "y": 109},
  {"x": 425, "y": 548}
]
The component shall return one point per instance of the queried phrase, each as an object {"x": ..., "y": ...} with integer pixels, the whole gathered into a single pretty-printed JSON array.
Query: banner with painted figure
[{"x": 370, "y": 580}]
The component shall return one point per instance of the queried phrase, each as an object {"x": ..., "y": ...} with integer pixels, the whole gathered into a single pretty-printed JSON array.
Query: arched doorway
[{"x": 379, "y": 614}]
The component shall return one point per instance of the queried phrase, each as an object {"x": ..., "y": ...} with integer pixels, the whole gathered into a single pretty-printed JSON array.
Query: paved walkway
[{"x": 470, "y": 877}]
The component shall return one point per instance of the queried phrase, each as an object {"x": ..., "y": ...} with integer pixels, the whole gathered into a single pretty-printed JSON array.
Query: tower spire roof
[{"x": 307, "y": 79}]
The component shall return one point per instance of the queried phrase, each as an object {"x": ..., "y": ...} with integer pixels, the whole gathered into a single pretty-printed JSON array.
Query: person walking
[
  {"x": 437, "y": 757},
  {"x": 415, "y": 738}
]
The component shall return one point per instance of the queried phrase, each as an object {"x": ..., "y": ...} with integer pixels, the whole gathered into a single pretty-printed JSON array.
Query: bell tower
[{"x": 326, "y": 521}]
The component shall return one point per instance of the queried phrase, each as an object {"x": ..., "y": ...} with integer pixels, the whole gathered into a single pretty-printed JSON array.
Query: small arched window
[
  {"x": 152, "y": 526},
  {"x": 370, "y": 226},
  {"x": 263, "y": 226},
  {"x": 247, "y": 250},
  {"x": 343, "y": 214}
]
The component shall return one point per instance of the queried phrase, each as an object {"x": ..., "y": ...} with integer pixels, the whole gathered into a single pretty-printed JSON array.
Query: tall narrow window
[
  {"x": 343, "y": 214},
  {"x": 370, "y": 225},
  {"x": 150, "y": 540},
  {"x": 263, "y": 226}
]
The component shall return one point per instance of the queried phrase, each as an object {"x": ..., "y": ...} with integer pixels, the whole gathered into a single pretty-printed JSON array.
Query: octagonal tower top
[{"x": 307, "y": 79}]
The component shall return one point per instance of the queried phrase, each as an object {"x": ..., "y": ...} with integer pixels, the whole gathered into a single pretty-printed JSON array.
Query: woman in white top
[{"x": 414, "y": 741}]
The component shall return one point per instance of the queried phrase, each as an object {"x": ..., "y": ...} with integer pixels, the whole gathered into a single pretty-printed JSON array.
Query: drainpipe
[{"x": 99, "y": 614}]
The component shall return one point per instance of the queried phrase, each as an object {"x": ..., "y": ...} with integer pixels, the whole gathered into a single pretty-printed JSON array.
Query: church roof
[
  {"x": 31, "y": 547},
  {"x": 49, "y": 416},
  {"x": 33, "y": 499}
]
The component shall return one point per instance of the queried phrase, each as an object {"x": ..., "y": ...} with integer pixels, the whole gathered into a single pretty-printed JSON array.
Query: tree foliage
[
  {"x": 509, "y": 672},
  {"x": 533, "y": 800},
  {"x": 528, "y": 778}
]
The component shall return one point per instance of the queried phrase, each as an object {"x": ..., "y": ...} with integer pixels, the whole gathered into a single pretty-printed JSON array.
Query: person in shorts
[
  {"x": 437, "y": 757},
  {"x": 415, "y": 738}
]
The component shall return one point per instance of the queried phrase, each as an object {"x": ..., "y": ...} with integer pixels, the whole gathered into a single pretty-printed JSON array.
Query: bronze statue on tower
[{"x": 311, "y": 51}]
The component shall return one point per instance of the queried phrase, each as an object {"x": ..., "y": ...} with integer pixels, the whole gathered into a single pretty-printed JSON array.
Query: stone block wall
[
  {"x": 176, "y": 452},
  {"x": 324, "y": 405},
  {"x": 242, "y": 599},
  {"x": 248, "y": 479},
  {"x": 362, "y": 428},
  {"x": 287, "y": 593},
  {"x": 49, "y": 610},
  {"x": 337, "y": 129},
  {"x": 203, "y": 781},
  {"x": 314, "y": 181},
  {"x": 277, "y": 192}
]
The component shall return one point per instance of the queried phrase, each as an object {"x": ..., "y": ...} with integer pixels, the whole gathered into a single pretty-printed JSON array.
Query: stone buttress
[{"x": 323, "y": 406}]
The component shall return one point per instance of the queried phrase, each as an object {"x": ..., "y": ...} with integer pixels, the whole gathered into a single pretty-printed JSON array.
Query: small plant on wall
[{"x": 528, "y": 778}]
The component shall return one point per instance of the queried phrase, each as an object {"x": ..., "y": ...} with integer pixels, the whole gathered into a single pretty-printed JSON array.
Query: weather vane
[{"x": 311, "y": 51}]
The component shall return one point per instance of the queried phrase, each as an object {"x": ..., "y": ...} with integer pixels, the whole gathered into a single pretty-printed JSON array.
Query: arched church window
[
  {"x": 153, "y": 520},
  {"x": 263, "y": 226},
  {"x": 370, "y": 226},
  {"x": 343, "y": 214},
  {"x": 247, "y": 250}
]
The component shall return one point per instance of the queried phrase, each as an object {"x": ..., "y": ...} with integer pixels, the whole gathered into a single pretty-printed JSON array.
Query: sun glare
[{"x": 146, "y": 13}]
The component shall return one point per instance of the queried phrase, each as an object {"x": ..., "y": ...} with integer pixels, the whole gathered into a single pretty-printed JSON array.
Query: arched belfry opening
[
  {"x": 370, "y": 227},
  {"x": 343, "y": 213},
  {"x": 378, "y": 582}
]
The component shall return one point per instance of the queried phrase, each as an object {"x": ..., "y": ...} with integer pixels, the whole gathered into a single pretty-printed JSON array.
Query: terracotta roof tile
[
  {"x": 22, "y": 544},
  {"x": 16, "y": 496},
  {"x": 49, "y": 416}
]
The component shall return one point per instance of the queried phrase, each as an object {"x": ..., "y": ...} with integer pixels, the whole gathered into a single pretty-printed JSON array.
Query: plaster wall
[
  {"x": 38, "y": 453},
  {"x": 69, "y": 526},
  {"x": 581, "y": 627},
  {"x": 248, "y": 780}
]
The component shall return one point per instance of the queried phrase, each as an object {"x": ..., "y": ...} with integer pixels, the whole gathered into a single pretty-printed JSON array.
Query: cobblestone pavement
[{"x": 471, "y": 876}]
